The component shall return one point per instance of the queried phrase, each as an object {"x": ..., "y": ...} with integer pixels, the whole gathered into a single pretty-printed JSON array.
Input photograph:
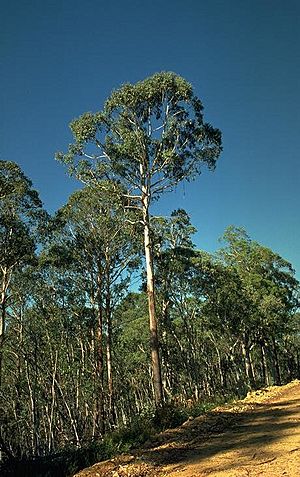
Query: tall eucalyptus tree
[
  {"x": 20, "y": 213},
  {"x": 149, "y": 136},
  {"x": 20, "y": 216},
  {"x": 270, "y": 292}
]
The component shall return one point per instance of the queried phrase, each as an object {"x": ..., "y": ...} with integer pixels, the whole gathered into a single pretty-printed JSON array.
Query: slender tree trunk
[
  {"x": 32, "y": 405},
  {"x": 69, "y": 411},
  {"x": 111, "y": 404},
  {"x": 53, "y": 402},
  {"x": 3, "y": 299},
  {"x": 248, "y": 364},
  {"x": 99, "y": 368},
  {"x": 220, "y": 368},
  {"x": 154, "y": 342},
  {"x": 276, "y": 363},
  {"x": 264, "y": 365},
  {"x": 99, "y": 358}
]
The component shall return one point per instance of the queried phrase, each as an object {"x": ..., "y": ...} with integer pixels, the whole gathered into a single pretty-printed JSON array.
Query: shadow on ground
[{"x": 252, "y": 433}]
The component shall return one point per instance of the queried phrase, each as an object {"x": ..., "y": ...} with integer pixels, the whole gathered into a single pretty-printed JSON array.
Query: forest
[{"x": 112, "y": 317}]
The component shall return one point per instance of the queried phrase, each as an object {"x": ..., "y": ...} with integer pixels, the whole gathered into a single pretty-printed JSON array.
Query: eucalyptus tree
[
  {"x": 20, "y": 217},
  {"x": 270, "y": 294},
  {"x": 224, "y": 308},
  {"x": 149, "y": 136},
  {"x": 20, "y": 214},
  {"x": 101, "y": 240}
]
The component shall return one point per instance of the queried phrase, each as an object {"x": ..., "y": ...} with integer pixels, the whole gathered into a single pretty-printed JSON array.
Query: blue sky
[{"x": 59, "y": 59}]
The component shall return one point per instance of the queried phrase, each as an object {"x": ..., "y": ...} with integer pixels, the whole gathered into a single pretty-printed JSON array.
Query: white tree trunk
[{"x": 154, "y": 343}]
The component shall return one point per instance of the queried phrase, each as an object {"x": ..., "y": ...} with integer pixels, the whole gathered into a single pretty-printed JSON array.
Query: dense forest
[{"x": 79, "y": 289}]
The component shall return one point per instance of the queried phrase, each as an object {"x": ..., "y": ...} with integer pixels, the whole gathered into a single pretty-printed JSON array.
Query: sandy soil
[{"x": 259, "y": 436}]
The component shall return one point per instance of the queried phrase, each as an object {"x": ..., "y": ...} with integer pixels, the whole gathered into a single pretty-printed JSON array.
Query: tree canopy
[{"x": 152, "y": 131}]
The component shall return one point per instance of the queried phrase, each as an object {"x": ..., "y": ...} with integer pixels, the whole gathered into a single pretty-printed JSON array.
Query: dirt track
[{"x": 259, "y": 436}]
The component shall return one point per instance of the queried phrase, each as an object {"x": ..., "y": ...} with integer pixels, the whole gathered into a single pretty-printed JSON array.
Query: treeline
[
  {"x": 75, "y": 355},
  {"x": 79, "y": 290}
]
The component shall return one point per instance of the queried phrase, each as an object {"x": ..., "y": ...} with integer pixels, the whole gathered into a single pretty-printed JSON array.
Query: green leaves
[
  {"x": 150, "y": 92},
  {"x": 16, "y": 245},
  {"x": 85, "y": 127},
  {"x": 16, "y": 193},
  {"x": 267, "y": 282},
  {"x": 21, "y": 217},
  {"x": 151, "y": 132}
]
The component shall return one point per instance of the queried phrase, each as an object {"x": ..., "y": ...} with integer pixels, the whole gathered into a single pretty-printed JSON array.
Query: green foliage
[
  {"x": 169, "y": 415},
  {"x": 156, "y": 123},
  {"x": 20, "y": 216},
  {"x": 17, "y": 246},
  {"x": 16, "y": 193},
  {"x": 267, "y": 282}
]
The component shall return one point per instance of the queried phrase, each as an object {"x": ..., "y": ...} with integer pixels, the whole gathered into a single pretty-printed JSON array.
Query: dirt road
[{"x": 259, "y": 436}]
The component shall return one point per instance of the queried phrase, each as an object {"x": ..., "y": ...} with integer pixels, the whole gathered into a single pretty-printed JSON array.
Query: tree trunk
[
  {"x": 32, "y": 406},
  {"x": 111, "y": 404},
  {"x": 276, "y": 363},
  {"x": 220, "y": 368},
  {"x": 99, "y": 386},
  {"x": 248, "y": 364},
  {"x": 5, "y": 282},
  {"x": 99, "y": 360},
  {"x": 154, "y": 342},
  {"x": 3, "y": 299},
  {"x": 264, "y": 365}
]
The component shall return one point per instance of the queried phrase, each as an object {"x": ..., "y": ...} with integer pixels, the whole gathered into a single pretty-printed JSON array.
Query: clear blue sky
[{"x": 59, "y": 59}]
